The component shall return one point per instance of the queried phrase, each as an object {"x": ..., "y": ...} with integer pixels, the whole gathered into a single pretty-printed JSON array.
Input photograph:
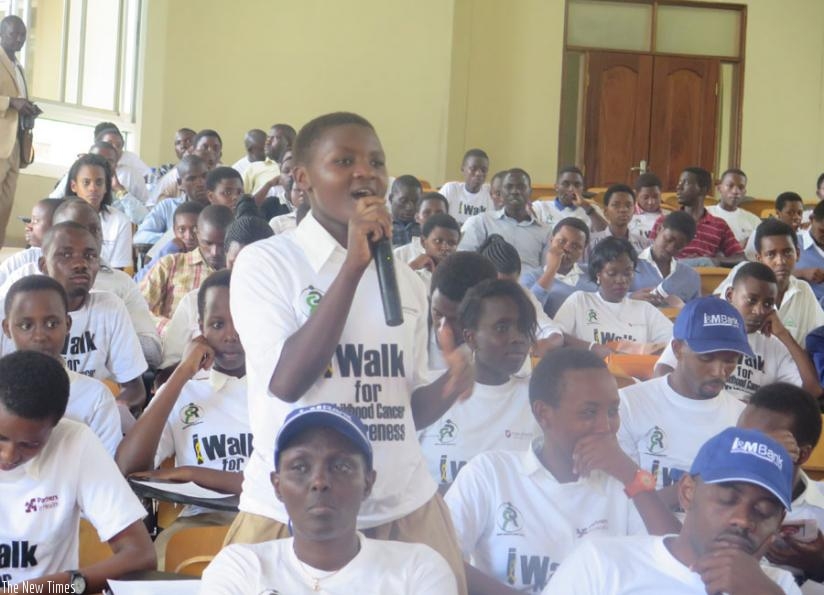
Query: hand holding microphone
[{"x": 370, "y": 233}]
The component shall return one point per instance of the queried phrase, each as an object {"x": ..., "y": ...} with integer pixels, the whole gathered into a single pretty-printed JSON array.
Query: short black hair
[
  {"x": 469, "y": 312},
  {"x": 754, "y": 270},
  {"x": 818, "y": 213},
  {"x": 681, "y": 222},
  {"x": 187, "y": 162},
  {"x": 502, "y": 254},
  {"x": 458, "y": 272},
  {"x": 732, "y": 171},
  {"x": 819, "y": 181},
  {"x": 288, "y": 129},
  {"x": 221, "y": 278},
  {"x": 190, "y": 207},
  {"x": 702, "y": 176},
  {"x": 255, "y": 135},
  {"x": 574, "y": 223},
  {"x": 570, "y": 169},
  {"x": 102, "y": 144},
  {"x": 773, "y": 227},
  {"x": 50, "y": 204},
  {"x": 498, "y": 175},
  {"x": 786, "y": 398},
  {"x": 55, "y": 229},
  {"x": 474, "y": 153},
  {"x": 33, "y": 386},
  {"x": 32, "y": 283},
  {"x": 432, "y": 195},
  {"x": 440, "y": 220},
  {"x": 407, "y": 181},
  {"x": 519, "y": 171},
  {"x": 246, "y": 230},
  {"x": 247, "y": 207},
  {"x": 782, "y": 199},
  {"x": 312, "y": 131},
  {"x": 220, "y": 173},
  {"x": 647, "y": 180},
  {"x": 547, "y": 381},
  {"x": 93, "y": 161},
  {"x": 186, "y": 130},
  {"x": 617, "y": 188},
  {"x": 204, "y": 133},
  {"x": 104, "y": 127},
  {"x": 608, "y": 250},
  {"x": 219, "y": 216}
]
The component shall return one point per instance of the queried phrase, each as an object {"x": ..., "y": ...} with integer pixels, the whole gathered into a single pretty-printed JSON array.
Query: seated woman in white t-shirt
[
  {"x": 90, "y": 178},
  {"x": 199, "y": 415},
  {"x": 593, "y": 320},
  {"x": 498, "y": 324},
  {"x": 52, "y": 471},
  {"x": 323, "y": 471},
  {"x": 519, "y": 514}
]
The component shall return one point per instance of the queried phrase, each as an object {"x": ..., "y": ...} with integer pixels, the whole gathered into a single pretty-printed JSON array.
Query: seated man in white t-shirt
[
  {"x": 736, "y": 495},
  {"x": 323, "y": 471},
  {"x": 470, "y": 197},
  {"x": 102, "y": 342},
  {"x": 52, "y": 470},
  {"x": 791, "y": 416},
  {"x": 778, "y": 357},
  {"x": 37, "y": 319},
  {"x": 519, "y": 514},
  {"x": 431, "y": 203},
  {"x": 665, "y": 419},
  {"x": 569, "y": 201},
  {"x": 732, "y": 189}
]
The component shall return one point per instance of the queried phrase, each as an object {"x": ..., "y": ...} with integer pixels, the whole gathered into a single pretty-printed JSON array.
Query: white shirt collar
[
  {"x": 811, "y": 495},
  {"x": 501, "y": 214},
  {"x": 317, "y": 243},
  {"x": 218, "y": 380}
]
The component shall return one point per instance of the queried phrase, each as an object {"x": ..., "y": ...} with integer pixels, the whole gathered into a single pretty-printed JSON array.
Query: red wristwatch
[{"x": 644, "y": 481}]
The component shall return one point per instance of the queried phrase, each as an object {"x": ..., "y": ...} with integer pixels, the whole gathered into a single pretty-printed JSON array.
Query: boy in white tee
[
  {"x": 52, "y": 470},
  {"x": 323, "y": 471},
  {"x": 470, "y": 197},
  {"x": 664, "y": 420},
  {"x": 736, "y": 495},
  {"x": 732, "y": 189},
  {"x": 37, "y": 320},
  {"x": 519, "y": 514}
]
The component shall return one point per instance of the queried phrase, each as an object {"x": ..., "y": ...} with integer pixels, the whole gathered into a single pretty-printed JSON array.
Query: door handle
[{"x": 642, "y": 167}]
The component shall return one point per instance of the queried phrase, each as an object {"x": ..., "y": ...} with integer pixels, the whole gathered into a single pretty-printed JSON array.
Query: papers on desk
[
  {"x": 188, "y": 489},
  {"x": 154, "y": 587}
]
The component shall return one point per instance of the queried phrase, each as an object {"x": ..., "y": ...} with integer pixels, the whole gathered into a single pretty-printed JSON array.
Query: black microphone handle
[{"x": 390, "y": 296}]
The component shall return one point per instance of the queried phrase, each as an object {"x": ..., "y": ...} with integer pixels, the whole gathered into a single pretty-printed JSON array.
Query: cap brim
[
  {"x": 704, "y": 346},
  {"x": 737, "y": 475},
  {"x": 321, "y": 419}
]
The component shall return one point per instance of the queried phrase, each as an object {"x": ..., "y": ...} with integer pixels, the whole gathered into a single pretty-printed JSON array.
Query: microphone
[{"x": 390, "y": 296}]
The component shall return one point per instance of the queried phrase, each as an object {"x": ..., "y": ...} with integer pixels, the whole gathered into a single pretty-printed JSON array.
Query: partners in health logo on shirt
[{"x": 39, "y": 504}]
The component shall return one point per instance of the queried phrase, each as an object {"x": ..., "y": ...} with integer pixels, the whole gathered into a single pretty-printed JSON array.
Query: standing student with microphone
[{"x": 307, "y": 307}]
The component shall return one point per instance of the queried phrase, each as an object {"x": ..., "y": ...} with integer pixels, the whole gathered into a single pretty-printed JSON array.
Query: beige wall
[{"x": 437, "y": 77}]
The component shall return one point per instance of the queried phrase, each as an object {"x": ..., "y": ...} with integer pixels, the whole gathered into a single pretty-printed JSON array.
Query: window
[{"x": 81, "y": 61}]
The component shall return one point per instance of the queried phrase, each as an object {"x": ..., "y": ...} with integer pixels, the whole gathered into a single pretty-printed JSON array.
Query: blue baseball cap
[
  {"x": 324, "y": 415},
  {"x": 747, "y": 456},
  {"x": 710, "y": 324}
]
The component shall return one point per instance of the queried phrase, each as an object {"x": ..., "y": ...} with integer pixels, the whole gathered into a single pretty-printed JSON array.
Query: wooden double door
[{"x": 659, "y": 110}]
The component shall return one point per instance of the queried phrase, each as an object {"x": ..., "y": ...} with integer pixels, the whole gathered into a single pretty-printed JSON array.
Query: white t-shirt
[
  {"x": 549, "y": 214},
  {"x": 409, "y": 252},
  {"x": 642, "y": 223},
  {"x": 638, "y": 565},
  {"x": 662, "y": 431},
  {"x": 92, "y": 403},
  {"x": 379, "y": 568},
  {"x": 42, "y": 500},
  {"x": 517, "y": 523},
  {"x": 799, "y": 311},
  {"x": 589, "y": 317},
  {"x": 492, "y": 418},
  {"x": 741, "y": 222},
  {"x": 182, "y": 328},
  {"x": 276, "y": 283},
  {"x": 808, "y": 505},
  {"x": 772, "y": 363},
  {"x": 17, "y": 260},
  {"x": 208, "y": 426},
  {"x": 546, "y": 326},
  {"x": 282, "y": 223},
  {"x": 463, "y": 204},
  {"x": 117, "y": 239}
]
